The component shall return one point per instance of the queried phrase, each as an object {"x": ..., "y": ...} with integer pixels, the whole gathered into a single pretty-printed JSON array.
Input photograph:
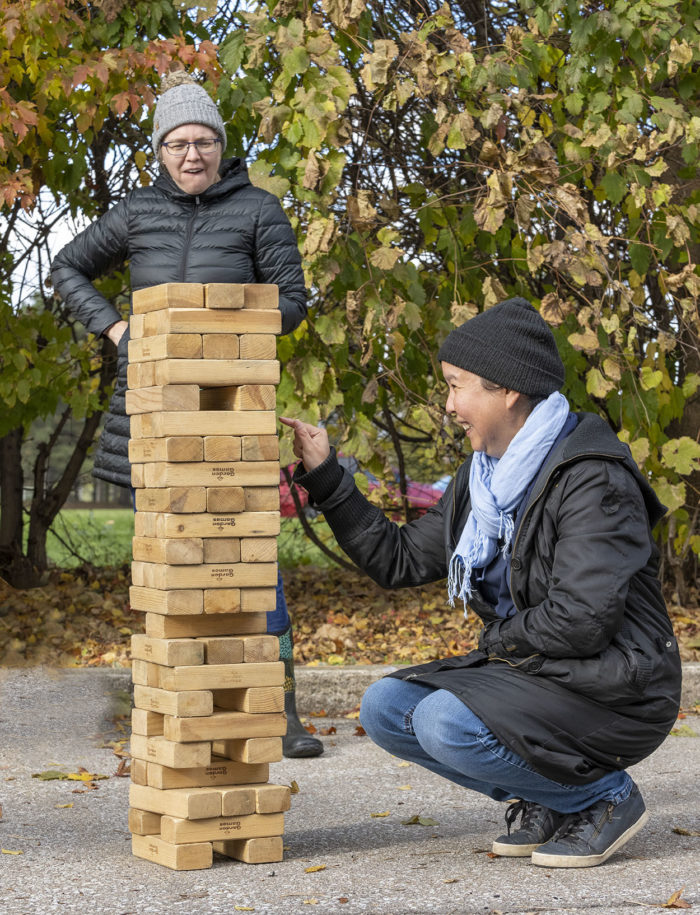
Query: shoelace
[
  {"x": 527, "y": 810},
  {"x": 575, "y": 823}
]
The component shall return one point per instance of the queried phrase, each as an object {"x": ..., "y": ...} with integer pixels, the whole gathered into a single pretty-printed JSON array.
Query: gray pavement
[{"x": 76, "y": 859}]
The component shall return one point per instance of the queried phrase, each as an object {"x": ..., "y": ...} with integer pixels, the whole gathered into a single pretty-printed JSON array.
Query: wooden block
[
  {"x": 224, "y": 372},
  {"x": 173, "y": 627},
  {"x": 175, "y": 755},
  {"x": 171, "y": 499},
  {"x": 239, "y": 397},
  {"x": 138, "y": 770},
  {"x": 256, "y": 600},
  {"x": 144, "y": 673},
  {"x": 180, "y": 831},
  {"x": 192, "y": 803},
  {"x": 270, "y": 799},
  {"x": 253, "y": 750},
  {"x": 211, "y": 321},
  {"x": 203, "y": 422},
  {"x": 175, "y": 603},
  {"x": 169, "y": 652},
  {"x": 135, "y": 327},
  {"x": 222, "y": 549},
  {"x": 261, "y": 295},
  {"x": 239, "y": 801},
  {"x": 227, "y": 346},
  {"x": 225, "y": 499},
  {"x": 260, "y": 448},
  {"x": 185, "y": 703},
  {"x": 263, "y": 850},
  {"x": 183, "y": 551},
  {"x": 244, "y": 524},
  {"x": 167, "y": 295},
  {"x": 221, "y": 771},
  {"x": 141, "y": 375},
  {"x": 167, "y": 397},
  {"x": 260, "y": 648},
  {"x": 137, "y": 476},
  {"x": 174, "y": 448},
  {"x": 187, "y": 856},
  {"x": 207, "y": 575},
  {"x": 172, "y": 346},
  {"x": 224, "y": 295},
  {"x": 254, "y": 549},
  {"x": 221, "y": 448},
  {"x": 143, "y": 822},
  {"x": 222, "y": 600},
  {"x": 262, "y": 498},
  {"x": 146, "y": 723},
  {"x": 224, "y": 725},
  {"x": 221, "y": 676},
  {"x": 223, "y": 649},
  {"x": 211, "y": 473},
  {"x": 254, "y": 700},
  {"x": 257, "y": 346}
]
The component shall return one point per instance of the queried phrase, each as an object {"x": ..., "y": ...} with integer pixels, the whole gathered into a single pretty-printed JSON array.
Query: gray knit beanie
[
  {"x": 184, "y": 102},
  {"x": 510, "y": 345}
]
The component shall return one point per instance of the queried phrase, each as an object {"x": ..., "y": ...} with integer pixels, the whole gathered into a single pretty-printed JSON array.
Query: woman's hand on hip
[
  {"x": 116, "y": 331},
  {"x": 310, "y": 443}
]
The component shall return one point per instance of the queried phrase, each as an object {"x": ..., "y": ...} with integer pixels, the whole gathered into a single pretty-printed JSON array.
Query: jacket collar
[{"x": 234, "y": 175}]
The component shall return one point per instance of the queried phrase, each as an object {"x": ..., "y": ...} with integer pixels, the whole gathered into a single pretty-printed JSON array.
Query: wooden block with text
[
  {"x": 180, "y": 831},
  {"x": 189, "y": 856},
  {"x": 214, "y": 523},
  {"x": 220, "y": 771},
  {"x": 207, "y": 575}
]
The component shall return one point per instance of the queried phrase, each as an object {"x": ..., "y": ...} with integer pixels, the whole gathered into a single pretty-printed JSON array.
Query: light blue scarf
[{"x": 496, "y": 488}]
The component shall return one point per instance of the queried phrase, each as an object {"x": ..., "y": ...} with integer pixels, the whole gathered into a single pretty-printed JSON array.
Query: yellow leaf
[
  {"x": 243, "y": 908},
  {"x": 6, "y": 851},
  {"x": 85, "y": 776},
  {"x": 294, "y": 787},
  {"x": 316, "y": 867},
  {"x": 674, "y": 901},
  {"x": 312, "y": 901},
  {"x": 405, "y": 787},
  {"x": 385, "y": 813},
  {"x": 402, "y": 765},
  {"x": 62, "y": 806}
]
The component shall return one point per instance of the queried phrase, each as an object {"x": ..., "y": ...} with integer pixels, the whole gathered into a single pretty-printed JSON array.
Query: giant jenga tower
[{"x": 208, "y": 685}]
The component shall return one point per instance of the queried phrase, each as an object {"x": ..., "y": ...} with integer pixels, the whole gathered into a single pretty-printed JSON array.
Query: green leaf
[{"x": 682, "y": 455}]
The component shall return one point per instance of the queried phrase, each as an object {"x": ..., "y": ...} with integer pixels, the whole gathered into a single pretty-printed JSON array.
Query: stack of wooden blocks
[{"x": 208, "y": 682}]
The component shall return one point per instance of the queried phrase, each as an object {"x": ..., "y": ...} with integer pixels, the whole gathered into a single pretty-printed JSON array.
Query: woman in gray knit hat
[
  {"x": 201, "y": 221},
  {"x": 545, "y": 533}
]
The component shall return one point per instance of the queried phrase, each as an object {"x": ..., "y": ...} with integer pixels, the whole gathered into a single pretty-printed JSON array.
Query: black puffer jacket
[
  {"x": 232, "y": 233},
  {"x": 585, "y": 677}
]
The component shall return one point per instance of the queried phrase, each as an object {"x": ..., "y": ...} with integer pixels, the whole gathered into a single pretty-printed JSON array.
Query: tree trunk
[{"x": 14, "y": 566}]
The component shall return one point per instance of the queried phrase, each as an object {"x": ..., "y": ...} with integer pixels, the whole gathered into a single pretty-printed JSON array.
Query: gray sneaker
[
  {"x": 537, "y": 825},
  {"x": 591, "y": 836}
]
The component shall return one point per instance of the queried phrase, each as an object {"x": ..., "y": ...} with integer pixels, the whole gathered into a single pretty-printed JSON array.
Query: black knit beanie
[{"x": 510, "y": 345}]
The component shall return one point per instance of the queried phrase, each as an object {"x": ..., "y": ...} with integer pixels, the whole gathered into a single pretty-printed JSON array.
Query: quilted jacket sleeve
[
  {"x": 277, "y": 260},
  {"x": 393, "y": 555},
  {"x": 92, "y": 253}
]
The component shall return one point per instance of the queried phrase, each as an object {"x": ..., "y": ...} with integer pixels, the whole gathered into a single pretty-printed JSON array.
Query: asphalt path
[{"x": 70, "y": 852}]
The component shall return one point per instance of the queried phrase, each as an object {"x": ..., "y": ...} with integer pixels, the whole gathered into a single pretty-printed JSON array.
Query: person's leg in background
[{"x": 297, "y": 742}]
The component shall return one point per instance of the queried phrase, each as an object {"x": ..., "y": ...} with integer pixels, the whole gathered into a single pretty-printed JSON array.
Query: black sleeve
[
  {"x": 277, "y": 260},
  {"x": 394, "y": 555},
  {"x": 93, "y": 253}
]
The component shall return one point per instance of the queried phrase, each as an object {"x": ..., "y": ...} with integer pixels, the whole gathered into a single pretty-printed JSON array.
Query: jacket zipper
[
  {"x": 188, "y": 239},
  {"x": 533, "y": 502}
]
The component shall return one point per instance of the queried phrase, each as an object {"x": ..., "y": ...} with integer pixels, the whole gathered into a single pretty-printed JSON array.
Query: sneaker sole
[
  {"x": 513, "y": 851},
  {"x": 545, "y": 860}
]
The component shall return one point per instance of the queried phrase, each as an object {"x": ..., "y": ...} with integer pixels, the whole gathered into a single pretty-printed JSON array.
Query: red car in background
[{"x": 421, "y": 496}]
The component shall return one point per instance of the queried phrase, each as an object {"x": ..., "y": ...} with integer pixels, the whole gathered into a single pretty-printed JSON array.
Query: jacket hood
[
  {"x": 234, "y": 175},
  {"x": 593, "y": 437}
]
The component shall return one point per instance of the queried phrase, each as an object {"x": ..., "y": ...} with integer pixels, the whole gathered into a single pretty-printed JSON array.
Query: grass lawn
[{"x": 102, "y": 537}]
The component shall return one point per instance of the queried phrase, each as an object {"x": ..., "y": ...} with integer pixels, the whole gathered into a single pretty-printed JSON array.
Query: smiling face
[
  {"x": 196, "y": 171},
  {"x": 490, "y": 419}
]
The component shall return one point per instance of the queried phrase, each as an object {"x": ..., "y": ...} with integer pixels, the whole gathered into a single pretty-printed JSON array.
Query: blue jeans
[
  {"x": 278, "y": 619},
  {"x": 433, "y": 728}
]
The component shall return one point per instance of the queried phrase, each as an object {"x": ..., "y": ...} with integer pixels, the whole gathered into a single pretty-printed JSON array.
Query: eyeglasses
[{"x": 179, "y": 148}]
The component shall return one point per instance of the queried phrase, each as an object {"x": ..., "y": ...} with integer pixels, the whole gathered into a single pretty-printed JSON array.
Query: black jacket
[
  {"x": 585, "y": 677},
  {"x": 232, "y": 233}
]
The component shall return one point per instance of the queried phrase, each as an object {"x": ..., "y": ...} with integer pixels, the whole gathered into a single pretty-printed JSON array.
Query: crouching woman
[{"x": 545, "y": 532}]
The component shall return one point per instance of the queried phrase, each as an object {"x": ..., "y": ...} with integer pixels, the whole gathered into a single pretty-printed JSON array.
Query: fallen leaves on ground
[
  {"x": 294, "y": 787},
  {"x": 7, "y": 851},
  {"x": 674, "y": 901},
  {"x": 82, "y": 775},
  {"x": 314, "y": 868},
  {"x": 685, "y": 832},
  {"x": 419, "y": 821},
  {"x": 82, "y": 618},
  {"x": 384, "y": 813}
]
